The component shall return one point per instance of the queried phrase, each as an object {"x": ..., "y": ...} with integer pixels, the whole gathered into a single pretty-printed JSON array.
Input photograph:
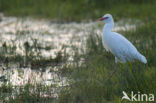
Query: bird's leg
[
  {"x": 115, "y": 67},
  {"x": 131, "y": 67}
]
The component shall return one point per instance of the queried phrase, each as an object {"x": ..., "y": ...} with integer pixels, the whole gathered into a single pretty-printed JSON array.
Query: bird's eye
[{"x": 106, "y": 17}]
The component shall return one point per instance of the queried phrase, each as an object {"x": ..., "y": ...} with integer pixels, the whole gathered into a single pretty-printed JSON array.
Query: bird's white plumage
[{"x": 118, "y": 45}]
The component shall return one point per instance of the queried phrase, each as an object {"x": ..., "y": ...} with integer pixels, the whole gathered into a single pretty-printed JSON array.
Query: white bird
[{"x": 118, "y": 45}]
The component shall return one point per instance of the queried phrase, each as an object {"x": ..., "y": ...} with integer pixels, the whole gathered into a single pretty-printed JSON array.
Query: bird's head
[{"x": 106, "y": 18}]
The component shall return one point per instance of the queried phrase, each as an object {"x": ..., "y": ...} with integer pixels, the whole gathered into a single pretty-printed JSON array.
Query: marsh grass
[
  {"x": 60, "y": 10},
  {"x": 27, "y": 94},
  {"x": 90, "y": 69},
  {"x": 32, "y": 55},
  {"x": 88, "y": 72},
  {"x": 91, "y": 80}
]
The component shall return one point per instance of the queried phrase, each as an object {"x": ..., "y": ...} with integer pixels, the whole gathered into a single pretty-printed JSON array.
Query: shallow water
[
  {"x": 17, "y": 31},
  {"x": 51, "y": 39}
]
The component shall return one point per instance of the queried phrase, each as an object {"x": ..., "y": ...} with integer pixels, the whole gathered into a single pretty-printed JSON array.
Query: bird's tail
[{"x": 142, "y": 58}]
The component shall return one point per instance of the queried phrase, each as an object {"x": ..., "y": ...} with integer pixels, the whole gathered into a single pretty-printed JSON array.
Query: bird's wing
[{"x": 120, "y": 46}]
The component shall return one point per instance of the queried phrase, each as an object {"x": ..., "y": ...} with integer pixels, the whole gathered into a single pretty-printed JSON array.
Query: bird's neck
[{"x": 108, "y": 27}]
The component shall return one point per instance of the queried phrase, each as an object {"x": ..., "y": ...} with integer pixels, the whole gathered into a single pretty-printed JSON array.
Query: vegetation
[
  {"x": 69, "y": 10},
  {"x": 89, "y": 72},
  {"x": 91, "y": 80},
  {"x": 32, "y": 56}
]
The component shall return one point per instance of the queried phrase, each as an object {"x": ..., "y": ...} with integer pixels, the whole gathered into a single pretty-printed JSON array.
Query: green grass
[
  {"x": 91, "y": 80},
  {"x": 26, "y": 94},
  {"x": 32, "y": 56},
  {"x": 69, "y": 10}
]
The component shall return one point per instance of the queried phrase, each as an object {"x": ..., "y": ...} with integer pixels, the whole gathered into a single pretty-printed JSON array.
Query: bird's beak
[{"x": 103, "y": 18}]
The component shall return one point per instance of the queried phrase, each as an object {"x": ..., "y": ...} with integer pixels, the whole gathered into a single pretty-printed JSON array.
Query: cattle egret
[{"x": 118, "y": 45}]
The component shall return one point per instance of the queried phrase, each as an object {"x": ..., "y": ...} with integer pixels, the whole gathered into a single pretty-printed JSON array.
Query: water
[
  {"x": 51, "y": 38},
  {"x": 18, "y": 31}
]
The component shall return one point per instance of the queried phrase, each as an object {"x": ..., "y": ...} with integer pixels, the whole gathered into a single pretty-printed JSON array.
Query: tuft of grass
[
  {"x": 27, "y": 94},
  {"x": 32, "y": 56}
]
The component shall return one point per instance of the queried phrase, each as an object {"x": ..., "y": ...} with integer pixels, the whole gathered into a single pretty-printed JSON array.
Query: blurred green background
[{"x": 78, "y": 10}]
